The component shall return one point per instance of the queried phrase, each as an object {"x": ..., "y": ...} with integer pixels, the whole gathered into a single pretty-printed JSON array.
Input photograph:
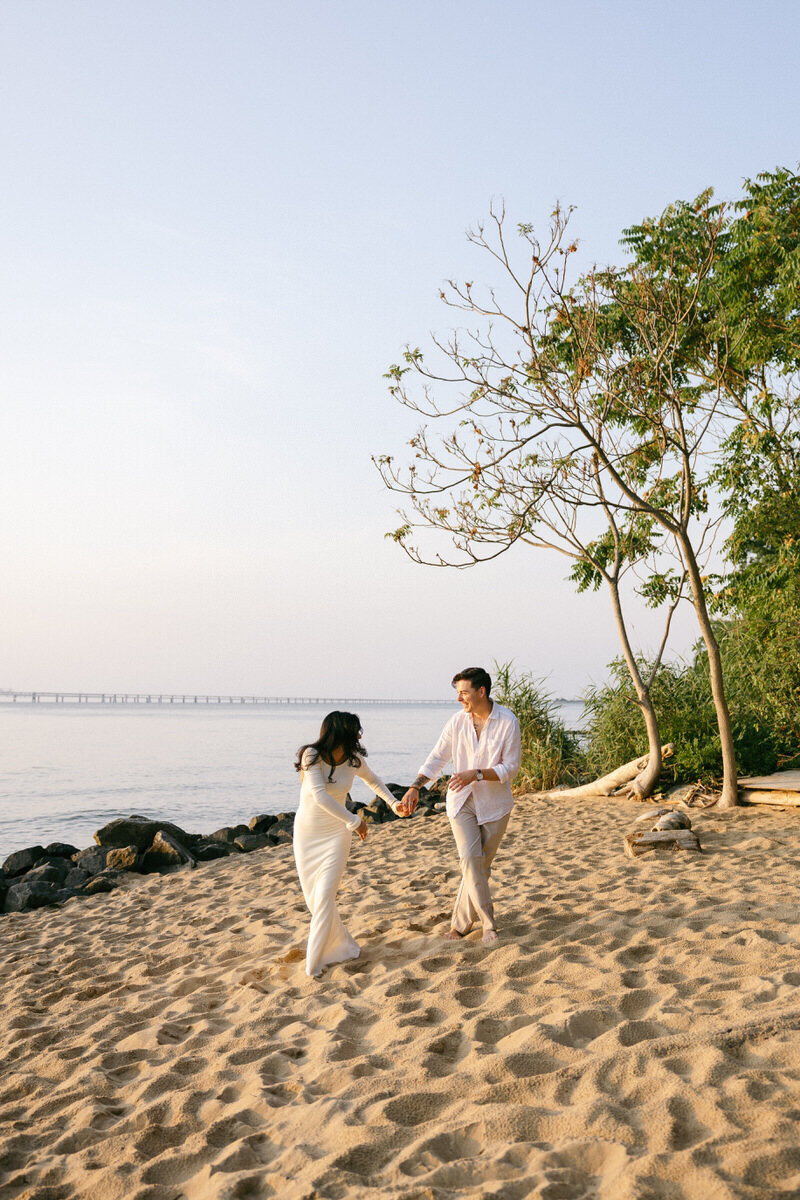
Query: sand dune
[{"x": 634, "y": 1034}]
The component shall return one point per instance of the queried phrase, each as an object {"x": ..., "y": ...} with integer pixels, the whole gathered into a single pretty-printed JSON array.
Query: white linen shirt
[{"x": 498, "y": 748}]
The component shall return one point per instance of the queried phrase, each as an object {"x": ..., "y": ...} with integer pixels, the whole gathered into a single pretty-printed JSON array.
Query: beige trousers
[{"x": 477, "y": 846}]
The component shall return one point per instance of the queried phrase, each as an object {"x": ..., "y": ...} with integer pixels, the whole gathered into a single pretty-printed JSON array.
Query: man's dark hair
[{"x": 476, "y": 676}]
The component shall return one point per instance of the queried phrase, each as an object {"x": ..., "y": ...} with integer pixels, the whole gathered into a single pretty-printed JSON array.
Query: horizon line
[{"x": 10, "y": 695}]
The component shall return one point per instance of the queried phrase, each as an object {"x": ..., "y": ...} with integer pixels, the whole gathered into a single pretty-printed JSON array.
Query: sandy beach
[{"x": 634, "y": 1034}]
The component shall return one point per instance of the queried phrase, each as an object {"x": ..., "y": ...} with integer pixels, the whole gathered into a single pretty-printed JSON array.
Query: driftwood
[
  {"x": 639, "y": 843},
  {"x": 759, "y": 796},
  {"x": 618, "y": 783}
]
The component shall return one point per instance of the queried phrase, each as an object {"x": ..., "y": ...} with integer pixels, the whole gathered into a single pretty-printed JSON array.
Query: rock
[
  {"x": 22, "y": 860},
  {"x": 261, "y": 824},
  {"x": 253, "y": 841},
  {"x": 164, "y": 842},
  {"x": 76, "y": 878},
  {"x": 106, "y": 882},
  {"x": 125, "y": 858},
  {"x": 652, "y": 814},
  {"x": 21, "y": 897},
  {"x": 138, "y": 832},
  {"x": 51, "y": 870},
  {"x": 673, "y": 820},
  {"x": 208, "y": 851},
  {"x": 228, "y": 833},
  {"x": 60, "y": 850},
  {"x": 92, "y": 859},
  {"x": 280, "y": 837},
  {"x": 284, "y": 825}
]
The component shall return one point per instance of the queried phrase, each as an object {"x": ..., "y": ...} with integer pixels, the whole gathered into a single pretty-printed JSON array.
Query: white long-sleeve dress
[{"x": 323, "y": 829}]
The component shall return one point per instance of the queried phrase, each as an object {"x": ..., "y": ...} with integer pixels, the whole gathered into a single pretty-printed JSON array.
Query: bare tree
[{"x": 574, "y": 426}]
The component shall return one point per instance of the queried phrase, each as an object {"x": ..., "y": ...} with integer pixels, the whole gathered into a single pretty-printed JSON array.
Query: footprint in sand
[
  {"x": 444, "y": 1148},
  {"x": 471, "y": 997},
  {"x": 633, "y": 1032},
  {"x": 637, "y": 1002},
  {"x": 172, "y": 1033},
  {"x": 429, "y": 1016},
  {"x": 415, "y": 1107},
  {"x": 581, "y": 1028},
  {"x": 444, "y": 1052}
]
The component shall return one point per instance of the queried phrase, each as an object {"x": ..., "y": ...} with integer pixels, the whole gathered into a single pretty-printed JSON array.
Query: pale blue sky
[{"x": 220, "y": 222}]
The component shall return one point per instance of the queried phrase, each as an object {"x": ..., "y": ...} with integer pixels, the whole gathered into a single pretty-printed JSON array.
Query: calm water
[{"x": 67, "y": 770}]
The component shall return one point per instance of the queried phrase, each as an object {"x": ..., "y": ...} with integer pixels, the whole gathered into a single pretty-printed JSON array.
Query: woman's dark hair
[
  {"x": 338, "y": 729},
  {"x": 475, "y": 676}
]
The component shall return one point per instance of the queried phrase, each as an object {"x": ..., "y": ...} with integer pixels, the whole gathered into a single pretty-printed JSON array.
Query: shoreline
[{"x": 635, "y": 1031}]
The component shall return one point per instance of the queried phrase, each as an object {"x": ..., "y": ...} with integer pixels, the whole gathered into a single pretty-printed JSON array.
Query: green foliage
[
  {"x": 550, "y": 754},
  {"x": 681, "y": 696},
  {"x": 761, "y": 661}
]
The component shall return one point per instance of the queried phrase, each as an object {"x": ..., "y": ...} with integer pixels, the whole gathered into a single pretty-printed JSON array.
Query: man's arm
[
  {"x": 431, "y": 769},
  {"x": 410, "y": 800}
]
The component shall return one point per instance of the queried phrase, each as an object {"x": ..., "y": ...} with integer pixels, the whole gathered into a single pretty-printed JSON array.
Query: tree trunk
[
  {"x": 729, "y": 797},
  {"x": 642, "y": 786},
  {"x": 617, "y": 783}
]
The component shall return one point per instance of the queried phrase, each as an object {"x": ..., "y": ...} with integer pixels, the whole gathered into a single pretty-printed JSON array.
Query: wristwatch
[{"x": 479, "y": 776}]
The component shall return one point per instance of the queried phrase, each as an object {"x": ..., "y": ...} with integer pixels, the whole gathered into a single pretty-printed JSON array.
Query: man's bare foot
[
  {"x": 489, "y": 936},
  {"x": 453, "y": 936}
]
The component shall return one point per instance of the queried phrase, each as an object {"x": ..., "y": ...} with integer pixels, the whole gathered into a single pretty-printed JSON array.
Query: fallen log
[
  {"x": 616, "y": 783},
  {"x": 636, "y": 844},
  {"x": 759, "y": 796}
]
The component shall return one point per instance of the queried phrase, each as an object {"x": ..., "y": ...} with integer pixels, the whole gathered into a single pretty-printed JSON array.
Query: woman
[{"x": 322, "y": 831}]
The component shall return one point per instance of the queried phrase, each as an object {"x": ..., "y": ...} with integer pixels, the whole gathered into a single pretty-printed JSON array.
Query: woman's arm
[
  {"x": 377, "y": 785},
  {"x": 315, "y": 776}
]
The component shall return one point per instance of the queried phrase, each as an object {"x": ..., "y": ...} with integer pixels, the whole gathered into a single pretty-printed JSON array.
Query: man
[{"x": 483, "y": 743}]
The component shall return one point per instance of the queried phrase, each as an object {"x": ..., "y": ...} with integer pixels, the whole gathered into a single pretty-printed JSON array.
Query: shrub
[{"x": 550, "y": 754}]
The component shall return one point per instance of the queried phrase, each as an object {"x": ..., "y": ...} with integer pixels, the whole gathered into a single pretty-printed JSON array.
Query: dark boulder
[
  {"x": 60, "y": 850},
  {"x": 375, "y": 812},
  {"x": 253, "y": 841},
  {"x": 261, "y": 824},
  {"x": 92, "y": 859},
  {"x": 283, "y": 824},
  {"x": 168, "y": 846},
  {"x": 51, "y": 870},
  {"x": 279, "y": 837},
  {"x": 22, "y": 860},
  {"x": 23, "y": 896},
  {"x": 125, "y": 858},
  {"x": 228, "y": 833},
  {"x": 208, "y": 851},
  {"x": 138, "y": 832},
  {"x": 76, "y": 878},
  {"x": 105, "y": 882}
]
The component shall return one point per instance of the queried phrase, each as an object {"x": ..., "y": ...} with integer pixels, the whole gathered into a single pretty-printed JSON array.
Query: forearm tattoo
[{"x": 420, "y": 781}]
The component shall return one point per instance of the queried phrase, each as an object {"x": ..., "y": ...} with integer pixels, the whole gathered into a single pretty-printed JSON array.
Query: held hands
[
  {"x": 408, "y": 804},
  {"x": 362, "y": 830}
]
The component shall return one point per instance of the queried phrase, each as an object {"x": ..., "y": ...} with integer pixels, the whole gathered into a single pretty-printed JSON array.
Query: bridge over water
[{"x": 180, "y": 698}]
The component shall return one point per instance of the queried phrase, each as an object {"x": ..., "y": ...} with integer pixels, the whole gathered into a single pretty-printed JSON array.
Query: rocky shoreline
[{"x": 43, "y": 876}]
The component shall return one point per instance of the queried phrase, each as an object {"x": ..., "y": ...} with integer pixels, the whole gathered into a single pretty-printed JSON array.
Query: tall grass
[{"x": 550, "y": 754}]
